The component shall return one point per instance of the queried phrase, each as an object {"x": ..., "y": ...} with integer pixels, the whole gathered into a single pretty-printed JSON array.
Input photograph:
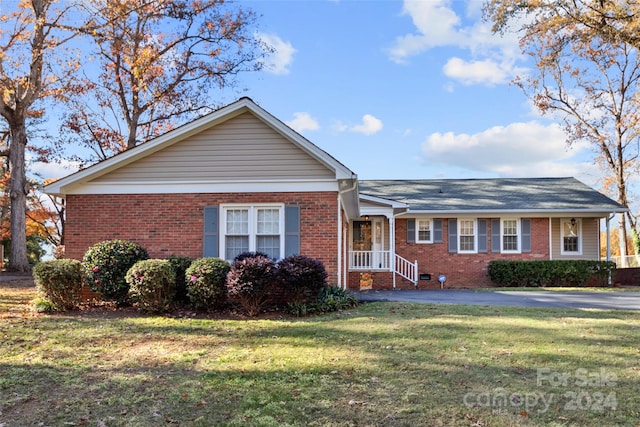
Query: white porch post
[
  {"x": 392, "y": 247},
  {"x": 340, "y": 244}
]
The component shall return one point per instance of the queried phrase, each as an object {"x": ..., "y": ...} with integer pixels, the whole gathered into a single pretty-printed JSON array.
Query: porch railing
[
  {"x": 381, "y": 260},
  {"x": 369, "y": 260},
  {"x": 407, "y": 269}
]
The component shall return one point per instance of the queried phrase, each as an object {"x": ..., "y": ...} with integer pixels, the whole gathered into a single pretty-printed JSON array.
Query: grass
[{"x": 381, "y": 364}]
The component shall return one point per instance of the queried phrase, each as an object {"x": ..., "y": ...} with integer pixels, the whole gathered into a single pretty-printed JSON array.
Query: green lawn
[{"x": 381, "y": 364}]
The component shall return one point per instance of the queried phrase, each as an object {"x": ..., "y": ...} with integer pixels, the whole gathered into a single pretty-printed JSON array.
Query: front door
[{"x": 377, "y": 243}]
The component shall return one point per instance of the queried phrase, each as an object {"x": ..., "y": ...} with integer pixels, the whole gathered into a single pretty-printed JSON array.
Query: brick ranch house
[{"x": 239, "y": 179}]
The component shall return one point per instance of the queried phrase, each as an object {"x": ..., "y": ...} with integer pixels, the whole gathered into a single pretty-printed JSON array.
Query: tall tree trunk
[{"x": 19, "y": 191}]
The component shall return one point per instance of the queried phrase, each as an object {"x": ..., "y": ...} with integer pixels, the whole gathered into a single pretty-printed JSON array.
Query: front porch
[{"x": 372, "y": 251}]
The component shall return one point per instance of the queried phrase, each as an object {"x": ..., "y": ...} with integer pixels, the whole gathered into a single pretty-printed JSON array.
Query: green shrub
[
  {"x": 42, "y": 305},
  {"x": 331, "y": 298},
  {"x": 251, "y": 282},
  {"x": 180, "y": 265},
  {"x": 301, "y": 278},
  {"x": 151, "y": 284},
  {"x": 545, "y": 273},
  {"x": 206, "y": 283},
  {"x": 105, "y": 266},
  {"x": 59, "y": 282}
]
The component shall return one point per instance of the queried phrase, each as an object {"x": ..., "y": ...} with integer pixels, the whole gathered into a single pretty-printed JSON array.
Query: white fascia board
[
  {"x": 391, "y": 203},
  {"x": 521, "y": 212},
  {"x": 205, "y": 187}
]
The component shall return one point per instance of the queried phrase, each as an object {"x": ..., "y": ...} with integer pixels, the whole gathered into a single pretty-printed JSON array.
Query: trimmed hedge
[
  {"x": 59, "y": 282},
  {"x": 206, "y": 280},
  {"x": 105, "y": 266},
  {"x": 301, "y": 278},
  {"x": 151, "y": 283},
  {"x": 251, "y": 281},
  {"x": 546, "y": 273}
]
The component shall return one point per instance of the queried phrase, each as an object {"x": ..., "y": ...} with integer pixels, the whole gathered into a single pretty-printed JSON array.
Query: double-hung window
[
  {"x": 467, "y": 237},
  {"x": 252, "y": 228},
  {"x": 571, "y": 236},
  {"x": 424, "y": 231},
  {"x": 510, "y": 235}
]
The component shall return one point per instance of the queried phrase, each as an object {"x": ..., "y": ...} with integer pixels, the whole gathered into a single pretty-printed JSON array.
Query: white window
[
  {"x": 424, "y": 231},
  {"x": 571, "y": 236},
  {"x": 467, "y": 238},
  {"x": 252, "y": 228},
  {"x": 510, "y": 235}
]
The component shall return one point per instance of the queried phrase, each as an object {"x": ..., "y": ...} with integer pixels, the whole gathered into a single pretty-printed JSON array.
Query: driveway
[{"x": 601, "y": 300}]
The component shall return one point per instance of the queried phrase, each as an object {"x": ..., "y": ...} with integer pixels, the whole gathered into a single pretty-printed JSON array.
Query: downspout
[
  {"x": 609, "y": 280},
  {"x": 339, "y": 242}
]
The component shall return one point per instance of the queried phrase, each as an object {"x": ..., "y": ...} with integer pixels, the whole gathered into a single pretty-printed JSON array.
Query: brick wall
[
  {"x": 464, "y": 270},
  {"x": 172, "y": 224}
]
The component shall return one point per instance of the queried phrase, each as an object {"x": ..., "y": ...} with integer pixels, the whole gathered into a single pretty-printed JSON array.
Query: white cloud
[
  {"x": 438, "y": 25},
  {"x": 303, "y": 121},
  {"x": 369, "y": 126},
  {"x": 517, "y": 150},
  {"x": 475, "y": 72},
  {"x": 54, "y": 169},
  {"x": 280, "y": 60}
]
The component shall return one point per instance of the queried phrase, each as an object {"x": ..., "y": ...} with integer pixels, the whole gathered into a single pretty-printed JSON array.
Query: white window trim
[
  {"x": 430, "y": 221},
  {"x": 253, "y": 224},
  {"x": 519, "y": 235},
  {"x": 579, "y": 225},
  {"x": 475, "y": 235}
]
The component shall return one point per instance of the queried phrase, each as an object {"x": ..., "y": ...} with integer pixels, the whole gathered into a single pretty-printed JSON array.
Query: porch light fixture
[
  {"x": 573, "y": 222},
  {"x": 366, "y": 217}
]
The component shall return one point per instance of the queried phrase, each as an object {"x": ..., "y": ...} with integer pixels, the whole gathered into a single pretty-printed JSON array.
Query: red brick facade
[
  {"x": 461, "y": 270},
  {"x": 172, "y": 224}
]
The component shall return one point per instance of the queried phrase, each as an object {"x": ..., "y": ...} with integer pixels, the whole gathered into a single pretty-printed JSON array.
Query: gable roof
[
  {"x": 501, "y": 195},
  {"x": 75, "y": 181}
]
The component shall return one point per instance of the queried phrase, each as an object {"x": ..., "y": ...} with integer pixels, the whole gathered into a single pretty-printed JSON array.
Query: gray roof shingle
[{"x": 492, "y": 195}]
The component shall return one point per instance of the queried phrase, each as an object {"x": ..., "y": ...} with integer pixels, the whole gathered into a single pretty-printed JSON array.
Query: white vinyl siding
[
  {"x": 589, "y": 235},
  {"x": 240, "y": 149}
]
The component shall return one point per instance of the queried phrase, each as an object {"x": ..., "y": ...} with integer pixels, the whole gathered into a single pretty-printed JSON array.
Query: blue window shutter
[
  {"x": 453, "y": 235},
  {"x": 411, "y": 231},
  {"x": 437, "y": 231},
  {"x": 291, "y": 230},
  {"x": 483, "y": 241},
  {"x": 495, "y": 235},
  {"x": 525, "y": 227},
  {"x": 210, "y": 241}
]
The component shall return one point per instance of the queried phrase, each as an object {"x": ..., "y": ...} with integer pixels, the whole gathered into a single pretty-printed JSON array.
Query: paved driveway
[{"x": 601, "y": 300}]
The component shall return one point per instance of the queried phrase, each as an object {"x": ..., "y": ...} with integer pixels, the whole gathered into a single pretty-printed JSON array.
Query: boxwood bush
[
  {"x": 251, "y": 281},
  {"x": 105, "y": 266},
  {"x": 59, "y": 282},
  {"x": 151, "y": 284},
  {"x": 545, "y": 273},
  {"x": 206, "y": 283}
]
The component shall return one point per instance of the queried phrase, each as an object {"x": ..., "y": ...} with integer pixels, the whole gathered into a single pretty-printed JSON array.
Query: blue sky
[{"x": 405, "y": 90}]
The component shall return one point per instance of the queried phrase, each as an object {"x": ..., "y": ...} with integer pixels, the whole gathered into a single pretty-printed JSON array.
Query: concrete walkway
[{"x": 600, "y": 300}]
